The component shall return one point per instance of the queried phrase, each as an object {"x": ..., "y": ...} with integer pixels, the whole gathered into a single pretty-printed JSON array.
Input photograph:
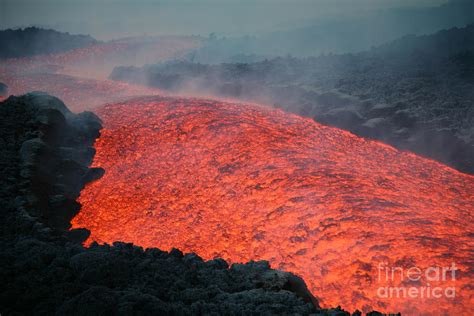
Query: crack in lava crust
[{"x": 245, "y": 182}]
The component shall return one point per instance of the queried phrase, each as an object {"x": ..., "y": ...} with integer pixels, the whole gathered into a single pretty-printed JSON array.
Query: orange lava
[
  {"x": 79, "y": 94},
  {"x": 97, "y": 61},
  {"x": 244, "y": 182}
]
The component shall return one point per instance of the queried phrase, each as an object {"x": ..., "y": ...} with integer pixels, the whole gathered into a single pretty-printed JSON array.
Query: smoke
[{"x": 410, "y": 93}]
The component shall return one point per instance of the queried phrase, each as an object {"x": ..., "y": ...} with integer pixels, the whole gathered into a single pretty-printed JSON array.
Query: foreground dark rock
[{"x": 45, "y": 154}]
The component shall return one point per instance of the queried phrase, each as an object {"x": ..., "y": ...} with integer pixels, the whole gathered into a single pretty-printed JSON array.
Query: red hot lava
[{"x": 245, "y": 182}]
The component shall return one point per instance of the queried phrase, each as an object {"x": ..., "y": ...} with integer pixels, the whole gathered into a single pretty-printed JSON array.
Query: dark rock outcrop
[{"x": 54, "y": 163}]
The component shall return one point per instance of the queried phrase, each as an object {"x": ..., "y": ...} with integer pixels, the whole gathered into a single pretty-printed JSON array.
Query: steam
[{"x": 396, "y": 93}]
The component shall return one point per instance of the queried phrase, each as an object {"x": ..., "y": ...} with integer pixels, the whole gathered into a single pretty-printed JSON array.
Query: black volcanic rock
[{"x": 51, "y": 182}]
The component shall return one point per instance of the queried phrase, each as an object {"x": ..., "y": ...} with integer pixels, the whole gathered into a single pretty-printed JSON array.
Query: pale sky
[{"x": 106, "y": 19}]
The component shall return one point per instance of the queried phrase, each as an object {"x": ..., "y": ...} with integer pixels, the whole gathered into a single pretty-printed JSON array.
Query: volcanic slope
[{"x": 246, "y": 182}]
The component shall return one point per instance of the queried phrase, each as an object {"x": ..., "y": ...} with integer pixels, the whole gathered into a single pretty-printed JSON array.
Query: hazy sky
[{"x": 105, "y": 19}]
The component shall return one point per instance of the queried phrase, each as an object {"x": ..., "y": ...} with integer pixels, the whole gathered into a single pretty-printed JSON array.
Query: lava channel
[{"x": 246, "y": 182}]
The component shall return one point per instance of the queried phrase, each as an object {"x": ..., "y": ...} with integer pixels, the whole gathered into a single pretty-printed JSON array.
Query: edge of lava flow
[{"x": 245, "y": 182}]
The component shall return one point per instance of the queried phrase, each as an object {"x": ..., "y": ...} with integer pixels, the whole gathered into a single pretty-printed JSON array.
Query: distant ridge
[
  {"x": 339, "y": 36},
  {"x": 32, "y": 41}
]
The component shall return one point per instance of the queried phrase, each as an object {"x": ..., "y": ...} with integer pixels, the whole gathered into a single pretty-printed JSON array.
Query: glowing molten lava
[{"x": 245, "y": 182}]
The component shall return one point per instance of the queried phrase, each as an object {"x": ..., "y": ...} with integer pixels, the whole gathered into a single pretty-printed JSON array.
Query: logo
[{"x": 416, "y": 282}]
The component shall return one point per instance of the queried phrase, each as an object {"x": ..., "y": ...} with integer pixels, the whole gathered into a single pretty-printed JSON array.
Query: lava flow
[
  {"x": 77, "y": 76},
  {"x": 245, "y": 182}
]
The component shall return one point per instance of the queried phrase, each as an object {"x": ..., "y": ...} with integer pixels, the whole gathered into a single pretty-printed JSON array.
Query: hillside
[
  {"x": 32, "y": 41},
  {"x": 339, "y": 35}
]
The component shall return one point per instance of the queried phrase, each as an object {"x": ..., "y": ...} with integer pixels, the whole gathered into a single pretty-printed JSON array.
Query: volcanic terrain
[{"x": 248, "y": 182}]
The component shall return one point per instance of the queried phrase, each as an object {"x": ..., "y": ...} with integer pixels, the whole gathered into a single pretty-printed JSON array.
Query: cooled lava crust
[{"x": 245, "y": 182}]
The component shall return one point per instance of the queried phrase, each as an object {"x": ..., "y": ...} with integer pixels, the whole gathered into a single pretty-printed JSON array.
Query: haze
[{"x": 110, "y": 19}]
